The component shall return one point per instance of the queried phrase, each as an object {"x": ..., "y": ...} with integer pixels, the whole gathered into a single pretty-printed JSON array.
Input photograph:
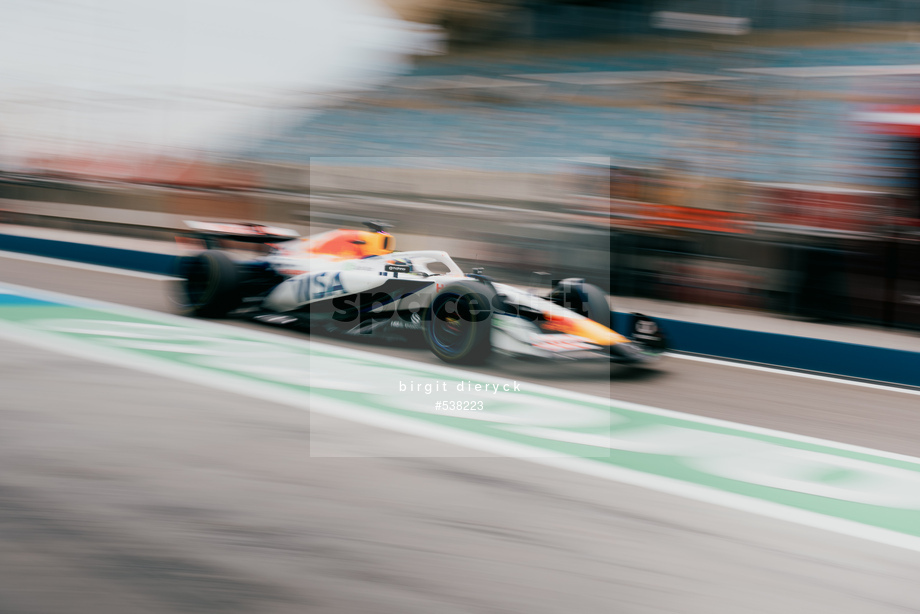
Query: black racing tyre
[
  {"x": 458, "y": 323},
  {"x": 583, "y": 298},
  {"x": 210, "y": 286}
]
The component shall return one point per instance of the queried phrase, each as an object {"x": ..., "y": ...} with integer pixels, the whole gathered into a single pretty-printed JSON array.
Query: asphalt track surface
[{"x": 122, "y": 491}]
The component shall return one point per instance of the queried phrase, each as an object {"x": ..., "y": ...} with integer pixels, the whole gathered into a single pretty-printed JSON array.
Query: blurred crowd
[
  {"x": 828, "y": 253},
  {"x": 779, "y": 173}
]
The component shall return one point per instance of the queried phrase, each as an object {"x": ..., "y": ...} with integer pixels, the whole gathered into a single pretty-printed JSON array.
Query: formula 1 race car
[{"x": 353, "y": 282}]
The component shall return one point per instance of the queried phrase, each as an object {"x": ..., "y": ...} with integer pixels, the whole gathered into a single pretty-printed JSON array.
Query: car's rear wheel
[
  {"x": 210, "y": 286},
  {"x": 458, "y": 323}
]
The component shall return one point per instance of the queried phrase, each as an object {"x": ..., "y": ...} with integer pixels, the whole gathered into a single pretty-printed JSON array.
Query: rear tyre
[
  {"x": 458, "y": 323},
  {"x": 211, "y": 285},
  {"x": 583, "y": 298}
]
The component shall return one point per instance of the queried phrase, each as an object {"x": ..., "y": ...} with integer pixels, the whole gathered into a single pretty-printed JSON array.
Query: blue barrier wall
[
  {"x": 90, "y": 254},
  {"x": 819, "y": 355}
]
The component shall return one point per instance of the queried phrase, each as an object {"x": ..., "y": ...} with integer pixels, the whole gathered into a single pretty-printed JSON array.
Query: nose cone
[{"x": 583, "y": 327}]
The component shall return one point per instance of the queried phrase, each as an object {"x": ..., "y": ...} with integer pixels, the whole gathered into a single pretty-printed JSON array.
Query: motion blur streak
[
  {"x": 537, "y": 422},
  {"x": 754, "y": 166},
  {"x": 183, "y": 499}
]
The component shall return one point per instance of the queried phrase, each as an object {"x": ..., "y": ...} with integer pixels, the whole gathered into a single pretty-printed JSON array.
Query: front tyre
[
  {"x": 458, "y": 323},
  {"x": 583, "y": 298}
]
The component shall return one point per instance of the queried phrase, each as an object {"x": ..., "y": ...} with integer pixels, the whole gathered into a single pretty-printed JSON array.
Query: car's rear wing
[{"x": 213, "y": 232}]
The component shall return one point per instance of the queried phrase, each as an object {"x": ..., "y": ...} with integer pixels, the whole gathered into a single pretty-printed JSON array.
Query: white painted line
[
  {"x": 96, "y": 268},
  {"x": 780, "y": 371},
  {"x": 646, "y": 409},
  {"x": 810, "y": 72},
  {"x": 270, "y": 393},
  {"x": 306, "y": 344}
]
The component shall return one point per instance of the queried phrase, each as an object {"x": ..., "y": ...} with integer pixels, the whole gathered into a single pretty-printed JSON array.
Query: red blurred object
[
  {"x": 821, "y": 207},
  {"x": 158, "y": 171},
  {"x": 894, "y": 120}
]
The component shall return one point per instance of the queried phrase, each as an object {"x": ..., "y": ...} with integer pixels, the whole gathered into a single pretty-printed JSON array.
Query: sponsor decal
[
  {"x": 414, "y": 322},
  {"x": 318, "y": 286},
  {"x": 562, "y": 343}
]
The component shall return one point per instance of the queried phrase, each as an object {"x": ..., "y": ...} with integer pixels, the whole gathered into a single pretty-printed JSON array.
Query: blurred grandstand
[
  {"x": 732, "y": 168},
  {"x": 736, "y": 177}
]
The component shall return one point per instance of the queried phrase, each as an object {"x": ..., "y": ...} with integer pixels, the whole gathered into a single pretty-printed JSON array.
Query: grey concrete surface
[
  {"x": 887, "y": 420},
  {"x": 126, "y": 492}
]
